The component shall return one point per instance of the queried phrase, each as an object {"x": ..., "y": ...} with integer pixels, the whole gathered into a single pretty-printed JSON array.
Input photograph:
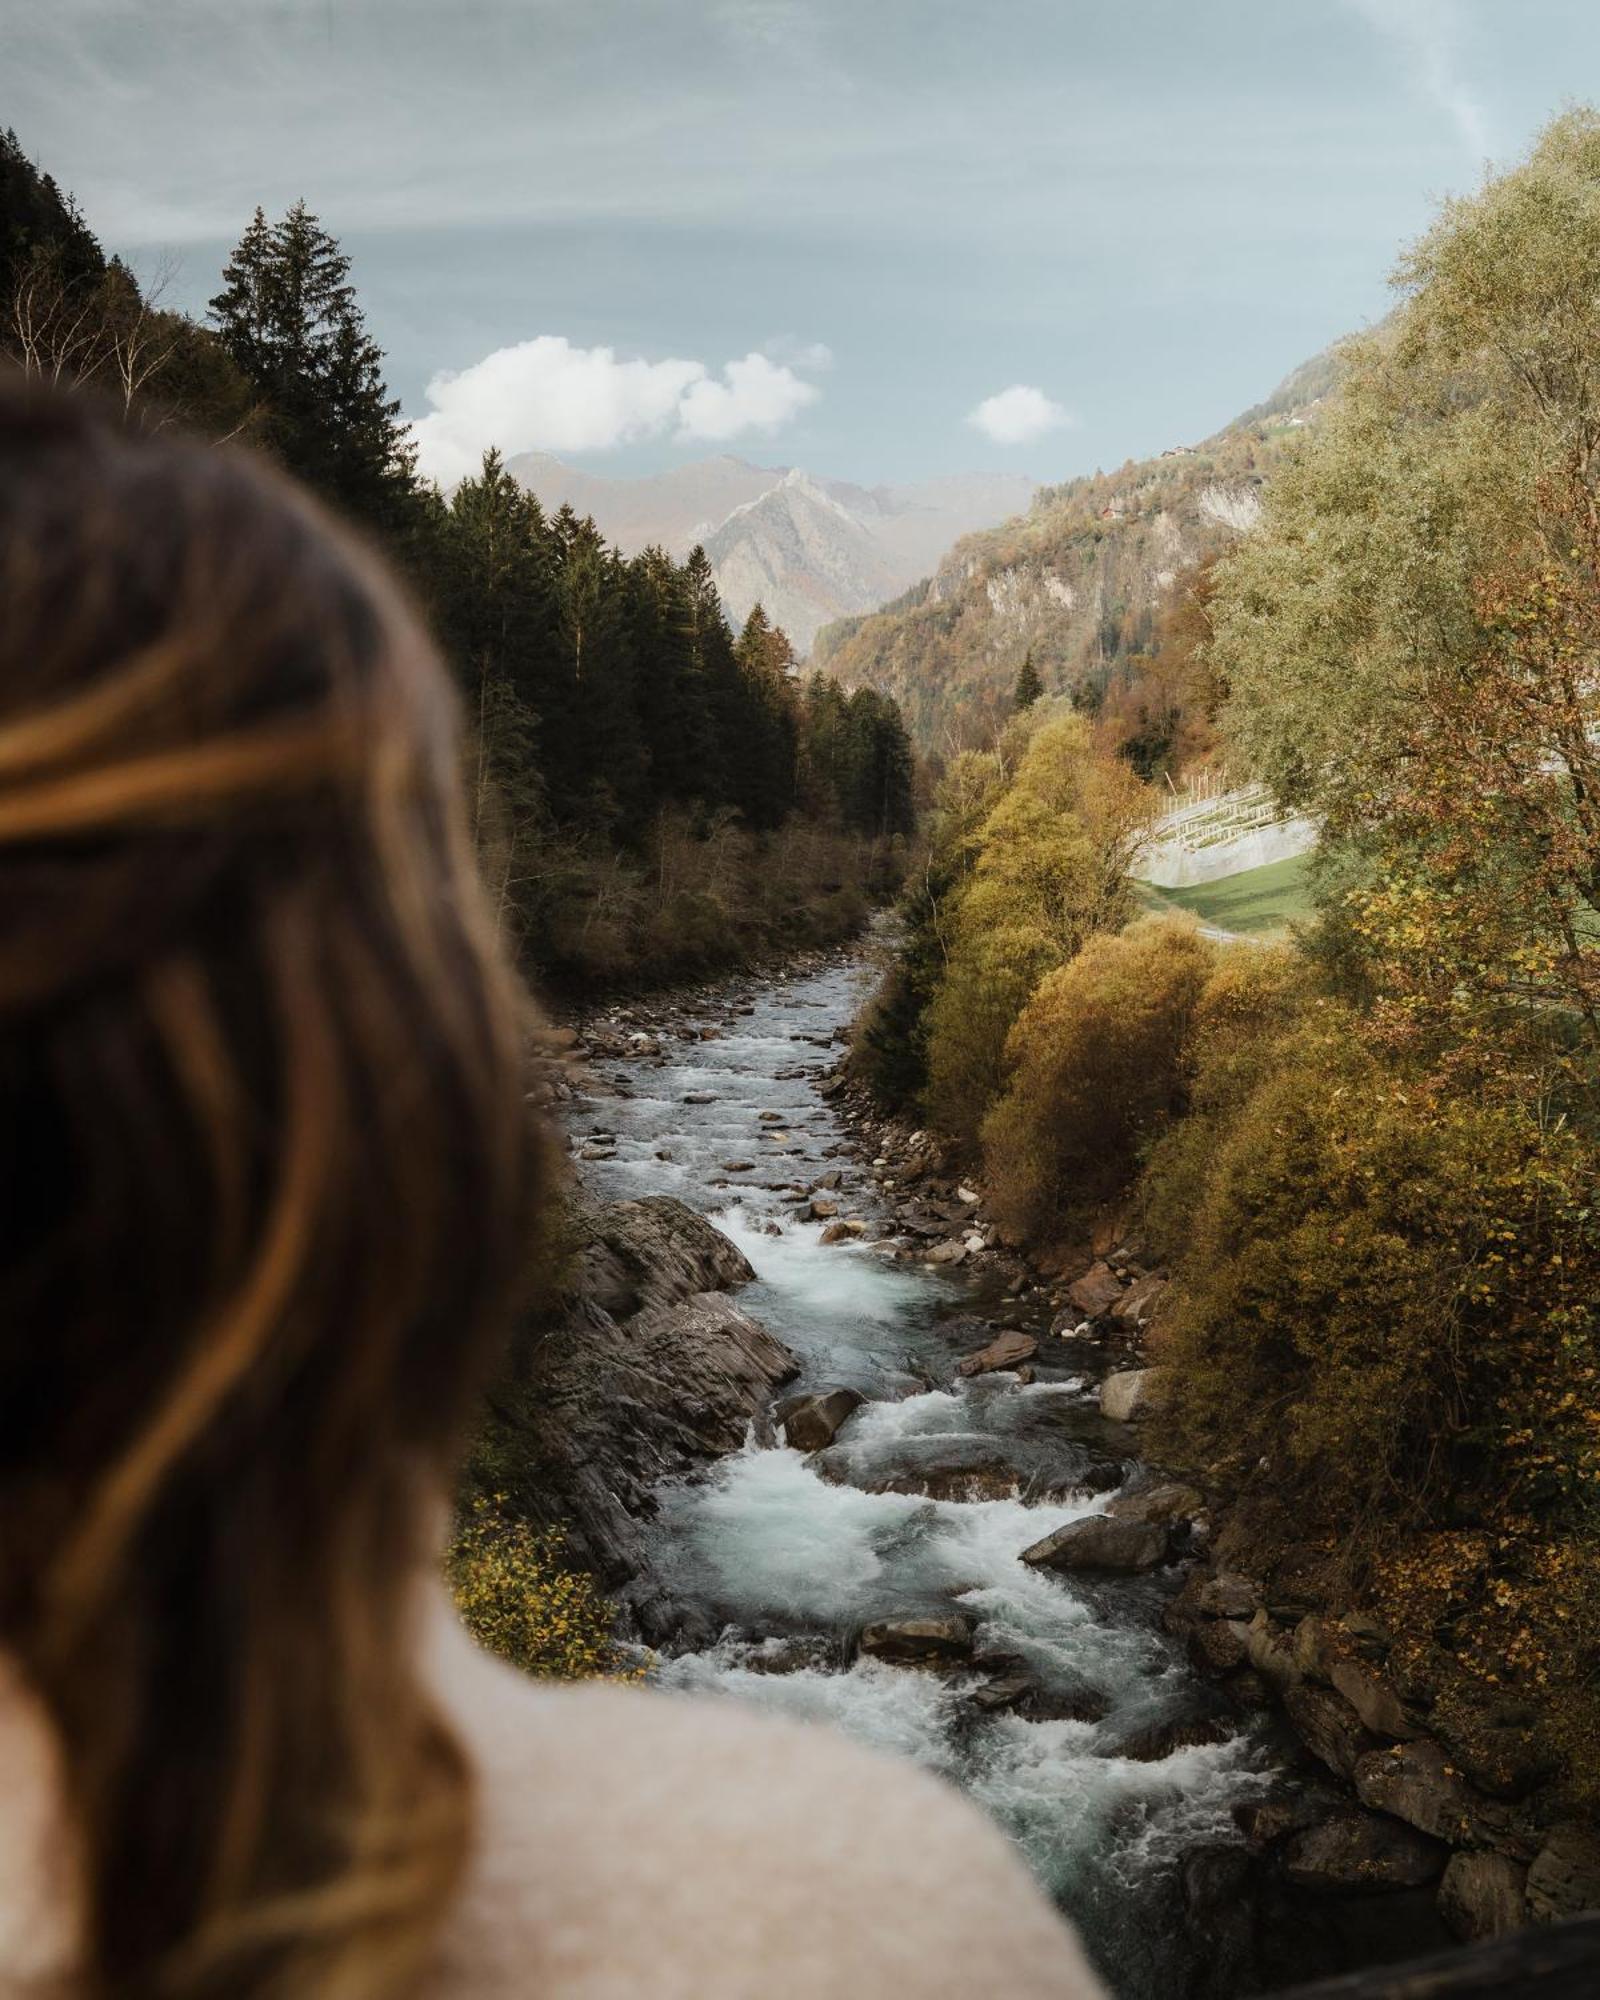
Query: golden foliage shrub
[
  {"x": 519, "y": 1598},
  {"x": 1050, "y": 870},
  {"x": 1253, "y": 999},
  {"x": 1387, "y": 1323},
  {"x": 1098, "y": 1067}
]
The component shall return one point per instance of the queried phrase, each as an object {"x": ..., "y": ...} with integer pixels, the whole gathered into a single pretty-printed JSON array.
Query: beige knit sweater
[{"x": 642, "y": 1846}]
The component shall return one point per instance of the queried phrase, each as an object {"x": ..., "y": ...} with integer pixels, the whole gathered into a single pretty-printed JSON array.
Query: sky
[{"x": 881, "y": 239}]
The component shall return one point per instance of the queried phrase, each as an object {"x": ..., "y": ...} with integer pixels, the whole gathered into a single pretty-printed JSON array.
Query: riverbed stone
[
  {"x": 1270, "y": 1651},
  {"x": 1137, "y": 1305},
  {"x": 1328, "y": 1726},
  {"x": 636, "y": 1255},
  {"x": 920, "y": 1642},
  {"x": 1160, "y": 1740},
  {"x": 1007, "y": 1350},
  {"x": 812, "y": 1422},
  {"x": 1351, "y": 1851},
  {"x": 1371, "y": 1695},
  {"x": 1097, "y": 1291},
  {"x": 1483, "y": 1896},
  {"x": 1218, "y": 1645},
  {"x": 1564, "y": 1876},
  {"x": 1416, "y": 1782},
  {"x": 1098, "y": 1543},
  {"x": 1127, "y": 1394},
  {"x": 1165, "y": 1504}
]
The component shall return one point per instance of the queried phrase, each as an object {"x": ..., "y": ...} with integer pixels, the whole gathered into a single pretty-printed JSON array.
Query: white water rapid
[{"x": 783, "y": 1565}]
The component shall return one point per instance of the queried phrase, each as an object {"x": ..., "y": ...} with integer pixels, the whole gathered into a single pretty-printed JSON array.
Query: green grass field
[{"x": 1257, "y": 903}]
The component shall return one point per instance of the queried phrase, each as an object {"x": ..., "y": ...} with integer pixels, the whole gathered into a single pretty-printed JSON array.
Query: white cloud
[
  {"x": 547, "y": 395},
  {"x": 811, "y": 356},
  {"x": 755, "y": 394},
  {"x": 1018, "y": 415},
  {"x": 1428, "y": 33}
]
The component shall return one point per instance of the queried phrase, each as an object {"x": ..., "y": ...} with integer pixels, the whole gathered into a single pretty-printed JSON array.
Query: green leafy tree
[{"x": 1029, "y": 687}]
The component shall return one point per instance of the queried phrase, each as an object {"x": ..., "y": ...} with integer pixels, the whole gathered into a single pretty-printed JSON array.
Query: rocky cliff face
[
  {"x": 1079, "y": 581},
  {"x": 646, "y": 1371}
]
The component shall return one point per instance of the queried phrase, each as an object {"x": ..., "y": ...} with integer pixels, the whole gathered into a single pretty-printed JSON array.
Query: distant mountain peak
[{"x": 809, "y": 549}]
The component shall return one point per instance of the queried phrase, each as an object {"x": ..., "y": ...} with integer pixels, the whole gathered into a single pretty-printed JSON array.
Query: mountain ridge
[
  {"x": 1079, "y": 580},
  {"x": 808, "y": 548}
]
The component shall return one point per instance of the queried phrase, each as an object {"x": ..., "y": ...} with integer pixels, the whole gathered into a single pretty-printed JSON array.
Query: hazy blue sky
[{"x": 1031, "y": 234}]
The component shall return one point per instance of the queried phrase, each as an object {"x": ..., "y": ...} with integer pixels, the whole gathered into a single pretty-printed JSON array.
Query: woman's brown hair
[{"x": 264, "y": 1193}]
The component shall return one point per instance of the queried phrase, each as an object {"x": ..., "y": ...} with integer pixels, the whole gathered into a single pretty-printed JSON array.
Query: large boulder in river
[
  {"x": 811, "y": 1423},
  {"x": 652, "y": 1252},
  {"x": 601, "y": 1402},
  {"x": 920, "y": 1642},
  {"x": 933, "y": 1464},
  {"x": 1127, "y": 1394},
  {"x": 1097, "y": 1543},
  {"x": 1006, "y": 1350},
  {"x": 1096, "y": 1292}
]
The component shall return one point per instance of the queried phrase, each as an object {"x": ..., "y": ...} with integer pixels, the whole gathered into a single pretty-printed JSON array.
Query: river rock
[
  {"x": 811, "y": 1423},
  {"x": 919, "y": 1642},
  {"x": 1138, "y": 1303},
  {"x": 1417, "y": 1783},
  {"x": 1270, "y": 1651},
  {"x": 1127, "y": 1394},
  {"x": 595, "y": 1413},
  {"x": 1096, "y": 1292},
  {"x": 1357, "y": 1850},
  {"x": 1097, "y": 1543},
  {"x": 1165, "y": 1504},
  {"x": 1371, "y": 1695},
  {"x": 1483, "y": 1895},
  {"x": 1160, "y": 1740},
  {"x": 1218, "y": 1645},
  {"x": 1499, "y": 1749},
  {"x": 1226, "y": 1595},
  {"x": 636, "y": 1255},
  {"x": 1008, "y": 1350},
  {"x": 933, "y": 1466},
  {"x": 1328, "y": 1726},
  {"x": 821, "y": 1208},
  {"x": 1103, "y": 1475},
  {"x": 1564, "y": 1876},
  {"x": 952, "y": 1252}
]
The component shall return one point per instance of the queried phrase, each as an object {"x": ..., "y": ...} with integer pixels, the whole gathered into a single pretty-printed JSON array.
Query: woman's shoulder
[{"x": 633, "y": 1841}]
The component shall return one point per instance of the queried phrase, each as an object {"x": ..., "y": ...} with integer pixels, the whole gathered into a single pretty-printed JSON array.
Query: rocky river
[
  {"x": 834, "y": 1450},
  {"x": 876, "y": 1580}
]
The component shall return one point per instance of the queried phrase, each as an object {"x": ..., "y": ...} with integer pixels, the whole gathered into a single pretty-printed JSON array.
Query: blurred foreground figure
[{"x": 266, "y": 1186}]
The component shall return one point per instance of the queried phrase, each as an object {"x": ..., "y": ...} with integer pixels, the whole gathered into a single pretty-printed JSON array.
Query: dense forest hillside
[
  {"x": 1079, "y": 582},
  {"x": 652, "y": 792},
  {"x": 1359, "y": 1165}
]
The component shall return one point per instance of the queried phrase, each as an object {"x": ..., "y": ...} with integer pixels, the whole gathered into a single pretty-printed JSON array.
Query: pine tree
[
  {"x": 289, "y": 317},
  {"x": 1029, "y": 687}
]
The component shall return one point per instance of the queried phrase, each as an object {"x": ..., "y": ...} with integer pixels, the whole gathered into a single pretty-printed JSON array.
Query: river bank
[{"x": 1428, "y": 1822}]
